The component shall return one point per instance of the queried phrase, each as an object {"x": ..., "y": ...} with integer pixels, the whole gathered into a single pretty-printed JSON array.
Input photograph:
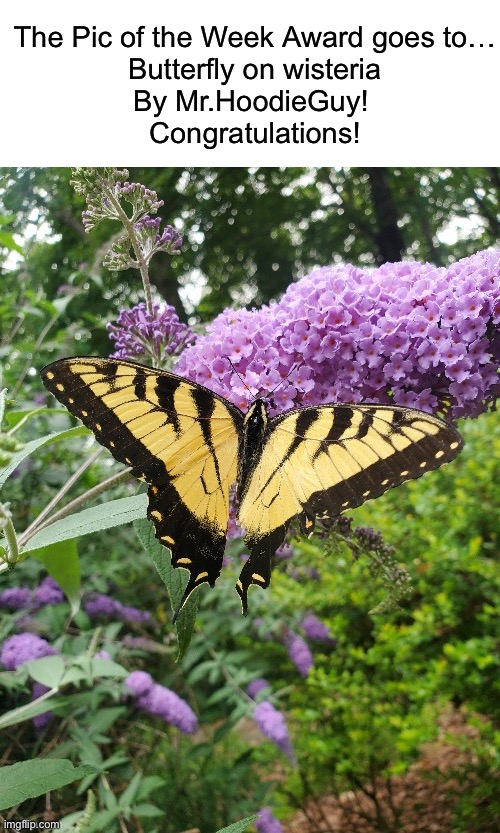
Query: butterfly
[{"x": 192, "y": 445}]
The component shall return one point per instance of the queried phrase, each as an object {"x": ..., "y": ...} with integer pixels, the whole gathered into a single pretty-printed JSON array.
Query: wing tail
[
  {"x": 197, "y": 547},
  {"x": 257, "y": 569}
]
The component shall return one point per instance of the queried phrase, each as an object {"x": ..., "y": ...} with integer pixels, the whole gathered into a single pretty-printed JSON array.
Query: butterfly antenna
[
  {"x": 238, "y": 375},
  {"x": 293, "y": 367}
]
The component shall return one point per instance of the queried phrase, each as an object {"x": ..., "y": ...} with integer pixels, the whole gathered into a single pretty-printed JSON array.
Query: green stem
[
  {"x": 36, "y": 525},
  {"x": 128, "y": 224},
  {"x": 75, "y": 504},
  {"x": 6, "y": 720}
]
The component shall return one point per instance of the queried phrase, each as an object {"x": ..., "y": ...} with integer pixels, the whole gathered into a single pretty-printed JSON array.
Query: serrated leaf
[
  {"x": 48, "y": 670},
  {"x": 238, "y": 826},
  {"x": 104, "y": 516},
  {"x": 175, "y": 580},
  {"x": 33, "y": 445},
  {"x": 62, "y": 563},
  {"x": 29, "y": 779}
]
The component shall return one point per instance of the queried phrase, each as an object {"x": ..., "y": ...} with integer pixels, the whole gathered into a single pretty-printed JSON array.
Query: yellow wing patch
[
  {"x": 176, "y": 435},
  {"x": 334, "y": 457}
]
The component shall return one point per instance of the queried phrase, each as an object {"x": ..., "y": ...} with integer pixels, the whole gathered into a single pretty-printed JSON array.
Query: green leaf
[
  {"x": 48, "y": 702},
  {"x": 8, "y": 242},
  {"x": 175, "y": 580},
  {"x": 107, "y": 668},
  {"x": 238, "y": 826},
  {"x": 62, "y": 563},
  {"x": 147, "y": 811},
  {"x": 103, "y": 516},
  {"x": 47, "y": 670},
  {"x": 29, "y": 779},
  {"x": 33, "y": 445}
]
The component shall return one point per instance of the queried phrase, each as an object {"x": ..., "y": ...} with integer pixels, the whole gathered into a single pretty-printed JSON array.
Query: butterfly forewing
[{"x": 176, "y": 435}]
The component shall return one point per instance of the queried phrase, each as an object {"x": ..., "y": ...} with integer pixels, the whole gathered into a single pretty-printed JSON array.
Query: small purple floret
[
  {"x": 48, "y": 592},
  {"x": 317, "y": 631},
  {"x": 267, "y": 823},
  {"x": 256, "y": 686},
  {"x": 299, "y": 652},
  {"x": 272, "y": 725}
]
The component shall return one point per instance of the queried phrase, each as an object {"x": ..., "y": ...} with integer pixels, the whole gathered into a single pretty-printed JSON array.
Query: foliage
[{"x": 250, "y": 231}]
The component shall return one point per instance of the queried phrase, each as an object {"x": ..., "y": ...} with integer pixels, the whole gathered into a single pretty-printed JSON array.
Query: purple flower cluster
[
  {"x": 161, "y": 702},
  {"x": 299, "y": 652},
  {"x": 16, "y": 598},
  {"x": 94, "y": 184},
  {"x": 23, "y": 647},
  {"x": 256, "y": 686},
  {"x": 316, "y": 631},
  {"x": 272, "y": 725},
  {"x": 101, "y": 605},
  {"x": 168, "y": 240},
  {"x": 267, "y": 823},
  {"x": 284, "y": 552},
  {"x": 48, "y": 592},
  {"x": 138, "y": 332},
  {"x": 406, "y": 333},
  {"x": 40, "y": 720}
]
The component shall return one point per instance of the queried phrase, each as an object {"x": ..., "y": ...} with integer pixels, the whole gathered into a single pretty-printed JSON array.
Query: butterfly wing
[
  {"x": 327, "y": 459},
  {"x": 176, "y": 435}
]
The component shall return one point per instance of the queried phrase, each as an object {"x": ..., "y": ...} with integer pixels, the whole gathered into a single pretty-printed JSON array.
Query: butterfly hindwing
[
  {"x": 176, "y": 435},
  {"x": 325, "y": 460}
]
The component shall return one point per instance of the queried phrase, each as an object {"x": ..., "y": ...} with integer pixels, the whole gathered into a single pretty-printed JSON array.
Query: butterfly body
[{"x": 191, "y": 446}]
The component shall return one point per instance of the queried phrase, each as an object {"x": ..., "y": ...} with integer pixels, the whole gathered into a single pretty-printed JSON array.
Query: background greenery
[{"x": 360, "y": 718}]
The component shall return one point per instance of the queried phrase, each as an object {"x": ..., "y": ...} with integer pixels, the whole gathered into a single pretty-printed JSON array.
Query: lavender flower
[
  {"x": 272, "y": 725},
  {"x": 101, "y": 605},
  {"x": 23, "y": 647},
  {"x": 48, "y": 592},
  {"x": 104, "y": 187},
  {"x": 169, "y": 240},
  {"x": 139, "y": 682},
  {"x": 316, "y": 631},
  {"x": 157, "y": 334},
  {"x": 267, "y": 823},
  {"x": 299, "y": 652},
  {"x": 161, "y": 702},
  {"x": 284, "y": 552},
  {"x": 405, "y": 333},
  {"x": 256, "y": 686},
  {"x": 140, "y": 642},
  {"x": 40, "y": 720},
  {"x": 16, "y": 598}
]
